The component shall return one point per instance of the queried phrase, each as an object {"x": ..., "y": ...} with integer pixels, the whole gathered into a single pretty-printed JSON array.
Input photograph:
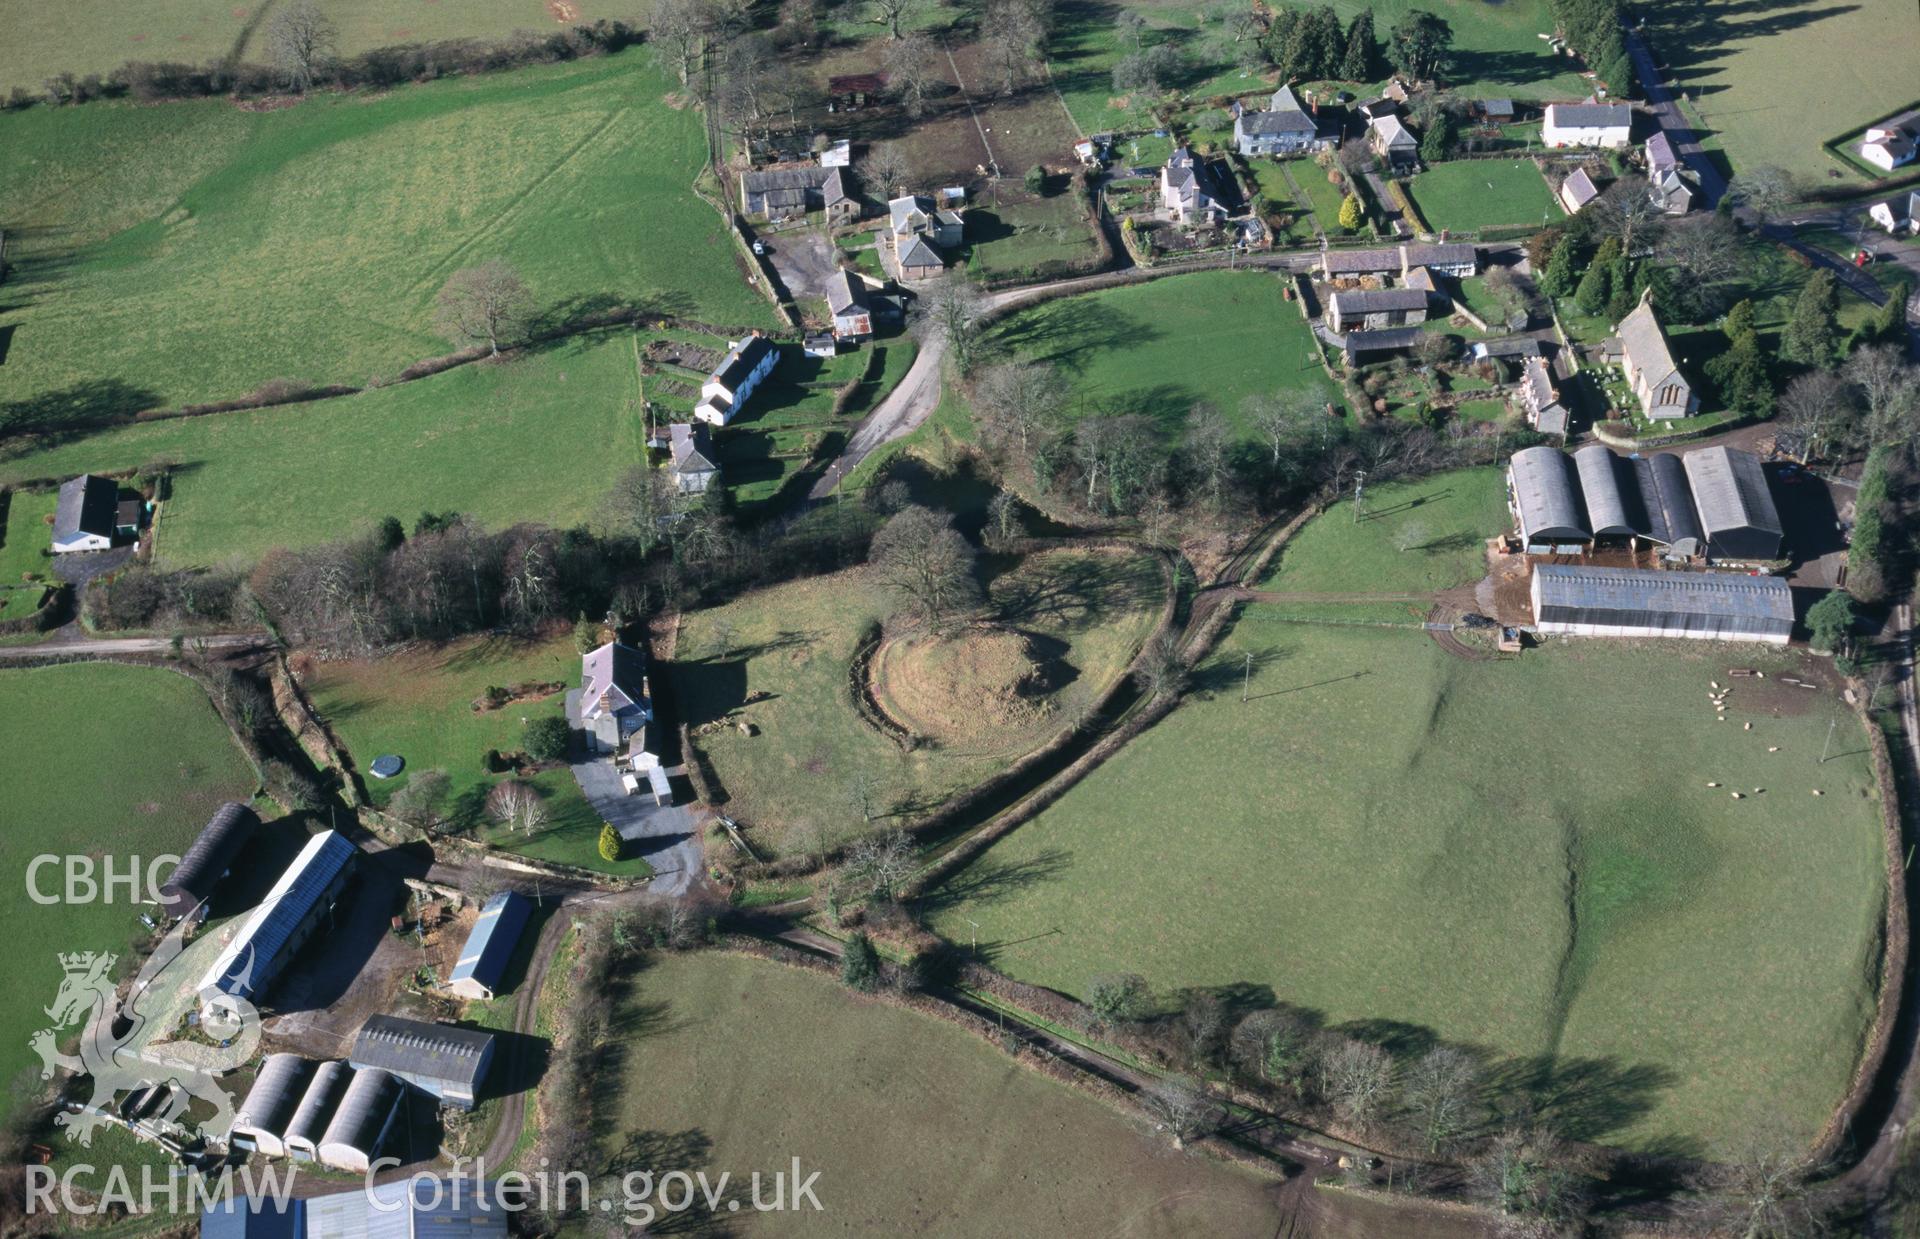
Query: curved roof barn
[
  {"x": 353, "y": 1138},
  {"x": 220, "y": 840},
  {"x": 322, "y": 1098},
  {"x": 1609, "y": 509},
  {"x": 1669, "y": 499},
  {"x": 1545, "y": 496},
  {"x": 276, "y": 1093}
]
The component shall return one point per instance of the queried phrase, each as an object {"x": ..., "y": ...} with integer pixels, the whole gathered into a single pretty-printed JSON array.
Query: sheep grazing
[
  {"x": 1713, "y": 785},
  {"x": 1758, "y": 790},
  {"x": 1736, "y": 795},
  {"x": 1746, "y": 726},
  {"x": 1713, "y": 684},
  {"x": 1818, "y": 792},
  {"x": 1774, "y": 749}
]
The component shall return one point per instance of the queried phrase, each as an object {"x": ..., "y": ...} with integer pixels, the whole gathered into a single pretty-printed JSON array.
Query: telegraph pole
[
  {"x": 1831, "y": 724},
  {"x": 1359, "y": 489},
  {"x": 1246, "y": 681}
]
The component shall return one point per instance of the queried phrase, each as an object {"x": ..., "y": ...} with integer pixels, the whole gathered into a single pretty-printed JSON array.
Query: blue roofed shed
[
  {"x": 483, "y": 961},
  {"x": 279, "y": 925}
]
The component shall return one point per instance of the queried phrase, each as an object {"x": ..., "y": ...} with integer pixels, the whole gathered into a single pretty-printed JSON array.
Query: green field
[
  {"x": 104, "y": 761},
  {"x": 913, "y": 1125},
  {"x": 191, "y": 251},
  {"x": 1469, "y": 194},
  {"x": 1856, "y": 59},
  {"x": 1497, "y": 48},
  {"x": 1443, "y": 522},
  {"x": 24, "y": 543},
  {"x": 791, "y": 780},
  {"x": 1160, "y": 347},
  {"x": 541, "y": 438},
  {"x": 1016, "y": 236},
  {"x": 94, "y": 36},
  {"x": 1520, "y": 855},
  {"x": 418, "y": 704}
]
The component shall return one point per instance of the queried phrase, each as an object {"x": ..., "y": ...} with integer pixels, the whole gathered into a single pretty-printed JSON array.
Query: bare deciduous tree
[
  {"x": 1765, "y": 190},
  {"x": 677, "y": 34},
  {"x": 1711, "y": 256},
  {"x": 1356, "y": 1077},
  {"x": 1014, "y": 33},
  {"x": 1276, "y": 1046},
  {"x": 1021, "y": 399},
  {"x": 885, "y": 170},
  {"x": 913, "y": 70},
  {"x": 1281, "y": 418},
  {"x": 881, "y": 864},
  {"x": 487, "y": 304},
  {"x": 301, "y": 39},
  {"x": 1533, "y": 1180},
  {"x": 1206, "y": 453},
  {"x": 1760, "y": 1192},
  {"x": 927, "y": 564},
  {"x": 1180, "y": 1108},
  {"x": 1890, "y": 388},
  {"x": 1160, "y": 670},
  {"x": 1442, "y": 1093},
  {"x": 517, "y": 807},
  {"x": 1819, "y": 405},
  {"x": 1625, "y": 211},
  {"x": 892, "y": 13},
  {"x": 952, "y": 317}
]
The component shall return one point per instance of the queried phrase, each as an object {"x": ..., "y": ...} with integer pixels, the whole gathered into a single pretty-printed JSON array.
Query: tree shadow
[
  {"x": 69, "y": 413},
  {"x": 1229, "y": 669},
  {"x": 1583, "y": 1099},
  {"x": 989, "y": 881}
]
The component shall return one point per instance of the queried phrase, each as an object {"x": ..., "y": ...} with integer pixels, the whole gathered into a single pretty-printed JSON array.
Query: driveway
[
  {"x": 664, "y": 834},
  {"x": 81, "y": 567},
  {"x": 804, "y": 258}
]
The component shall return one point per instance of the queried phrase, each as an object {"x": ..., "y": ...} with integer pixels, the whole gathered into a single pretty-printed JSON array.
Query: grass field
[
  {"x": 540, "y": 438},
  {"x": 1730, "y": 62},
  {"x": 192, "y": 251},
  {"x": 25, "y": 539},
  {"x": 1470, "y": 194},
  {"x": 418, "y": 704},
  {"x": 1521, "y": 855},
  {"x": 104, "y": 761},
  {"x": 741, "y": 1065},
  {"x": 795, "y": 643},
  {"x": 1021, "y": 232},
  {"x": 1158, "y": 348},
  {"x": 96, "y": 35},
  {"x": 1442, "y": 521}
]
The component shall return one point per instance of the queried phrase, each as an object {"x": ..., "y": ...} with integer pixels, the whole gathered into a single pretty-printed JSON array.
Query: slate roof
[
  {"x": 1450, "y": 254},
  {"x": 1660, "y": 153},
  {"x": 1393, "y": 133},
  {"x": 833, "y": 190},
  {"x": 1589, "y": 115},
  {"x": 791, "y": 177},
  {"x": 87, "y": 505},
  {"x": 1360, "y": 262},
  {"x": 845, "y": 291},
  {"x": 1578, "y": 190},
  {"x": 917, "y": 253},
  {"x": 1377, "y": 300},
  {"x": 901, "y": 210},
  {"x": 1496, "y": 107},
  {"x": 741, "y": 360},
  {"x": 613, "y": 677},
  {"x": 692, "y": 448},
  {"x": 1644, "y": 344},
  {"x": 490, "y": 945},
  {"x": 1283, "y": 115},
  {"x": 416, "y": 1048},
  {"x": 1384, "y": 340}
]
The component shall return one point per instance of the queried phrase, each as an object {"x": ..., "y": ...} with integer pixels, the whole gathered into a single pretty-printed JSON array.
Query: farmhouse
[
  {"x": 85, "y": 515},
  {"x": 208, "y": 859},
  {"x": 1577, "y": 190},
  {"x": 1371, "y": 308},
  {"x": 1737, "y": 513},
  {"x": 317, "y": 1104},
  {"x": 691, "y": 461},
  {"x": 745, "y": 364},
  {"x": 360, "y": 1126},
  {"x": 283, "y": 921},
  {"x": 447, "y": 1062},
  {"x": 1663, "y": 392},
  {"x": 1625, "y": 602},
  {"x": 787, "y": 191},
  {"x": 612, "y": 703},
  {"x": 1392, "y": 141},
  {"x": 847, "y": 303},
  {"x": 1285, "y": 128},
  {"x": 1608, "y": 125},
  {"x": 916, "y": 233},
  {"x": 1456, "y": 258},
  {"x": 483, "y": 960},
  {"x": 1892, "y": 143},
  {"x": 260, "y": 1124},
  {"x": 1187, "y": 192},
  {"x": 1898, "y": 214},
  {"x": 1541, "y": 398}
]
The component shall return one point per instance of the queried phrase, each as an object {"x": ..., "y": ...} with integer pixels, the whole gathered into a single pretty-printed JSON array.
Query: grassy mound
[{"x": 970, "y": 684}]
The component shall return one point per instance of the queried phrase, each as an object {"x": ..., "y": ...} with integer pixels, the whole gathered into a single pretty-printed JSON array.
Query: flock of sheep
[{"x": 1718, "y": 696}]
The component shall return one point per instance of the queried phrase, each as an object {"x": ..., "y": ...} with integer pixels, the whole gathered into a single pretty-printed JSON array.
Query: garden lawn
[
  {"x": 742, "y": 1065},
  {"x": 28, "y": 536},
  {"x": 1160, "y": 347},
  {"x": 791, "y": 647},
  {"x": 1443, "y": 523},
  {"x": 191, "y": 251},
  {"x": 96, "y": 37},
  {"x": 418, "y": 704},
  {"x": 1469, "y": 194},
  {"x": 1857, "y": 58},
  {"x": 540, "y": 438},
  {"x": 1428, "y": 846},
  {"x": 106, "y": 761},
  {"x": 1017, "y": 235}
]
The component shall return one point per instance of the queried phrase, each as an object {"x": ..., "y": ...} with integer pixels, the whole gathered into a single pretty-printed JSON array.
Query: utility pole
[
  {"x": 974, "y": 946},
  {"x": 1359, "y": 489},
  {"x": 1246, "y": 681},
  {"x": 1831, "y": 724}
]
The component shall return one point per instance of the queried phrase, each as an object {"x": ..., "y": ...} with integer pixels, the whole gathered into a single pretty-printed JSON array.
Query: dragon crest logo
[{"x": 126, "y": 1044}]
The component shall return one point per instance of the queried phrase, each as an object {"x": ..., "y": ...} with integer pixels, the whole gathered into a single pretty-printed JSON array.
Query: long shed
[
  {"x": 262, "y": 1120},
  {"x": 1737, "y": 512},
  {"x": 449, "y": 1063},
  {"x": 1630, "y": 602},
  {"x": 367, "y": 1109},
  {"x": 283, "y": 921},
  {"x": 208, "y": 859},
  {"x": 309, "y": 1122},
  {"x": 484, "y": 958},
  {"x": 1544, "y": 494}
]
